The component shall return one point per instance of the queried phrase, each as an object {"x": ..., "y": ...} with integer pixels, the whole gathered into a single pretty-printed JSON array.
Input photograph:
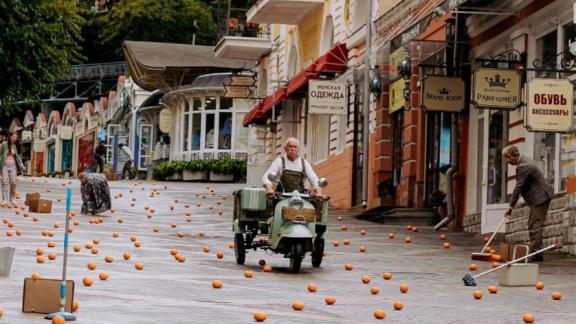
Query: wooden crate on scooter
[{"x": 519, "y": 274}]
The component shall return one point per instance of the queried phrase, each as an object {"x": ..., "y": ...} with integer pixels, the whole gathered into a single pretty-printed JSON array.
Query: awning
[
  {"x": 334, "y": 61},
  {"x": 259, "y": 111}
]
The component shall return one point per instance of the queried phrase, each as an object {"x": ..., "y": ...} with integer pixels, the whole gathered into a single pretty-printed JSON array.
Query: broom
[
  {"x": 470, "y": 280},
  {"x": 62, "y": 313},
  {"x": 487, "y": 256}
]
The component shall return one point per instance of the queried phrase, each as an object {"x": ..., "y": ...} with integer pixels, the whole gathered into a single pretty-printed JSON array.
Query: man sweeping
[
  {"x": 95, "y": 193},
  {"x": 531, "y": 184}
]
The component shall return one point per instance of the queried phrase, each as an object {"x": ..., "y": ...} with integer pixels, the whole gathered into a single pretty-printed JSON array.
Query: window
[
  {"x": 240, "y": 133},
  {"x": 210, "y": 103},
  {"x": 320, "y": 137},
  {"x": 196, "y": 130},
  {"x": 225, "y": 131},
  {"x": 209, "y": 132}
]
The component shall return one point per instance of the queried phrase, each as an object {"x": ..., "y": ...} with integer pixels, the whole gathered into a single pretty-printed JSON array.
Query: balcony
[
  {"x": 241, "y": 40},
  {"x": 287, "y": 12}
]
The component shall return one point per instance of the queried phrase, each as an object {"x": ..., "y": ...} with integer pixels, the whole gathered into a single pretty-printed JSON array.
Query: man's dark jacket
[{"x": 530, "y": 183}]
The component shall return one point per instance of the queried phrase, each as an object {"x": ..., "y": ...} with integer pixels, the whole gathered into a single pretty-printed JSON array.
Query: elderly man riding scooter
[{"x": 292, "y": 170}]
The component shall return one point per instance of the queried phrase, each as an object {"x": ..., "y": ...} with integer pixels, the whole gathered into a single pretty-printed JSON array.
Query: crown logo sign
[
  {"x": 444, "y": 91},
  {"x": 497, "y": 81}
]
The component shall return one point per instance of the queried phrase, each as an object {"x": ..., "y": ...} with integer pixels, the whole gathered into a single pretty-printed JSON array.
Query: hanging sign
[
  {"x": 65, "y": 132},
  {"x": 327, "y": 97},
  {"x": 496, "y": 88},
  {"x": 396, "y": 96},
  {"x": 442, "y": 93},
  {"x": 549, "y": 105},
  {"x": 241, "y": 80},
  {"x": 233, "y": 91},
  {"x": 166, "y": 120},
  {"x": 395, "y": 59}
]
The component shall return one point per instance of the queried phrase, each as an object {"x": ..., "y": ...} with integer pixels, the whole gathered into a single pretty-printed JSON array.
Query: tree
[
  {"x": 175, "y": 21},
  {"x": 38, "y": 42}
]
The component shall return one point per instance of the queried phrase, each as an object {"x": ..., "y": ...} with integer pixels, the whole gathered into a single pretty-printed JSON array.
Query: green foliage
[
  {"x": 38, "y": 42},
  {"x": 222, "y": 166},
  {"x": 157, "y": 21}
]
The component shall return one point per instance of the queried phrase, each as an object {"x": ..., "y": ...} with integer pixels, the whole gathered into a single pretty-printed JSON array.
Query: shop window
[
  {"x": 547, "y": 48},
  {"x": 240, "y": 134},
  {"x": 210, "y": 103},
  {"x": 225, "y": 131},
  {"x": 186, "y": 132},
  {"x": 209, "y": 132},
  {"x": 320, "y": 137},
  {"x": 196, "y": 130},
  {"x": 225, "y": 103},
  {"x": 545, "y": 154},
  {"x": 196, "y": 103}
]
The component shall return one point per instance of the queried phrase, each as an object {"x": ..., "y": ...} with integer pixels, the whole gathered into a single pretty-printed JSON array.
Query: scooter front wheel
[
  {"x": 239, "y": 248},
  {"x": 296, "y": 257},
  {"x": 318, "y": 252}
]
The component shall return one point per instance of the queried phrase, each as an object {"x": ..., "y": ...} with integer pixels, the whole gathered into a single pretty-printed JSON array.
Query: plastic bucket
[{"x": 6, "y": 256}]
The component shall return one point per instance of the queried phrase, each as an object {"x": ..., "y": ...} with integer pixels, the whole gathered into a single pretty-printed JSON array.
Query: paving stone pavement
[{"x": 167, "y": 291}]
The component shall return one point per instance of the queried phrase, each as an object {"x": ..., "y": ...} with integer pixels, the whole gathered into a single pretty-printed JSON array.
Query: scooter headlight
[{"x": 296, "y": 203}]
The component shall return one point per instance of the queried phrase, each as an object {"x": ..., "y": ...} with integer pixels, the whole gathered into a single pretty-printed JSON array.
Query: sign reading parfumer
[
  {"x": 327, "y": 97},
  {"x": 442, "y": 93},
  {"x": 549, "y": 105},
  {"x": 496, "y": 88}
]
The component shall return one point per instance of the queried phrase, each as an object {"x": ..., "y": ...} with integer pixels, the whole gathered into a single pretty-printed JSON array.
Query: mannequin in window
[
  {"x": 210, "y": 138},
  {"x": 227, "y": 133}
]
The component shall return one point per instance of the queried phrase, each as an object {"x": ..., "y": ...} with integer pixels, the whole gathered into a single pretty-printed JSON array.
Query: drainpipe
[{"x": 366, "y": 109}]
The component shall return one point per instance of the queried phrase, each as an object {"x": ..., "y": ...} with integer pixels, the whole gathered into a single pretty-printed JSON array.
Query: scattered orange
[
  {"x": 496, "y": 257},
  {"x": 219, "y": 254},
  {"x": 539, "y": 285},
  {"x": 217, "y": 284},
  {"x": 344, "y": 227},
  {"x": 230, "y": 245},
  {"x": 387, "y": 276},
  {"x": 115, "y": 234},
  {"x": 339, "y": 218},
  {"x": 366, "y": 279},
  {"x": 75, "y": 305},
  {"x": 398, "y": 305},
  {"x": 180, "y": 258},
  {"x": 40, "y": 259},
  {"x": 492, "y": 289},
  {"x": 52, "y": 256},
  {"x": 374, "y": 290},
  {"x": 108, "y": 259},
  {"x": 87, "y": 282},
  {"x": 137, "y": 244},
  {"x": 133, "y": 238},
  {"x": 528, "y": 318},
  {"x": 362, "y": 232},
  {"x": 556, "y": 296},
  {"x": 91, "y": 265},
  {"x": 379, "y": 314},
  {"x": 446, "y": 245},
  {"x": 103, "y": 276},
  {"x": 404, "y": 288},
  {"x": 77, "y": 248},
  {"x": 335, "y": 243},
  {"x": 95, "y": 250},
  {"x": 330, "y": 300},
  {"x": 39, "y": 251},
  {"x": 248, "y": 274},
  {"x": 408, "y": 239},
  {"x": 495, "y": 264},
  {"x": 180, "y": 234},
  {"x": 414, "y": 229},
  {"x": 126, "y": 256},
  {"x": 267, "y": 268},
  {"x": 346, "y": 242},
  {"x": 58, "y": 320},
  {"x": 259, "y": 317},
  {"x": 298, "y": 305},
  {"x": 139, "y": 266},
  {"x": 362, "y": 248},
  {"x": 156, "y": 229},
  {"x": 472, "y": 267},
  {"x": 348, "y": 266},
  {"x": 173, "y": 251},
  {"x": 88, "y": 246},
  {"x": 442, "y": 237},
  {"x": 206, "y": 249},
  {"x": 478, "y": 294},
  {"x": 35, "y": 276},
  {"x": 312, "y": 287}
]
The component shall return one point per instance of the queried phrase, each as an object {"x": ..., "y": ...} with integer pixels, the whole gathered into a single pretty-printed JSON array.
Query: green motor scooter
[{"x": 290, "y": 223}]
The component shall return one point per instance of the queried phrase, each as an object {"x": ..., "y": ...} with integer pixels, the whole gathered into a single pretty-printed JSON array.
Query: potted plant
[
  {"x": 175, "y": 170},
  {"x": 159, "y": 172},
  {"x": 222, "y": 170},
  {"x": 195, "y": 170}
]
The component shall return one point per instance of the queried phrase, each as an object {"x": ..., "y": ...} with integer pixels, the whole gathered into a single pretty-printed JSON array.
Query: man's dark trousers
[{"x": 536, "y": 224}]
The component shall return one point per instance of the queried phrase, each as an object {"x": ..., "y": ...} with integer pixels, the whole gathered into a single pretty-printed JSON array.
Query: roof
[{"x": 166, "y": 66}]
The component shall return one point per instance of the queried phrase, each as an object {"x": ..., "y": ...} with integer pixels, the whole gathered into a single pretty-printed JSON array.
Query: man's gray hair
[
  {"x": 293, "y": 140},
  {"x": 512, "y": 151}
]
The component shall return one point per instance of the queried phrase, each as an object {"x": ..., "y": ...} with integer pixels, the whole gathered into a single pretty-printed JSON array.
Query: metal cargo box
[{"x": 253, "y": 199}]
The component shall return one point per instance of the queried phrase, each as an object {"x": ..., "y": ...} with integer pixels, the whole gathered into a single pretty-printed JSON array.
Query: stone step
[{"x": 400, "y": 216}]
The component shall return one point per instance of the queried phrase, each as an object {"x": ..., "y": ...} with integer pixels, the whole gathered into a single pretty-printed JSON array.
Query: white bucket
[{"x": 6, "y": 256}]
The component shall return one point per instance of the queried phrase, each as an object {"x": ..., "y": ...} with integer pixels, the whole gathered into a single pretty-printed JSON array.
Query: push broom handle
[
  {"x": 65, "y": 263},
  {"x": 494, "y": 234},
  {"x": 551, "y": 247}
]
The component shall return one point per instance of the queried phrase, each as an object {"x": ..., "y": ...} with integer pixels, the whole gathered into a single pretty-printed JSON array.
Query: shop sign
[
  {"x": 549, "y": 105},
  {"x": 234, "y": 91},
  {"x": 241, "y": 80},
  {"x": 327, "y": 97},
  {"x": 79, "y": 128},
  {"x": 496, "y": 88},
  {"x": 442, "y": 93},
  {"x": 26, "y": 136},
  {"x": 166, "y": 120},
  {"x": 396, "y": 96},
  {"x": 65, "y": 132},
  {"x": 395, "y": 59}
]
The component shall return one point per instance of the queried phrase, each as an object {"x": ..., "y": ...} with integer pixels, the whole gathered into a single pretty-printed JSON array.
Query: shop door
[
  {"x": 51, "y": 157},
  {"x": 86, "y": 152},
  {"x": 39, "y": 162},
  {"x": 66, "y": 155},
  {"x": 493, "y": 136},
  {"x": 144, "y": 146}
]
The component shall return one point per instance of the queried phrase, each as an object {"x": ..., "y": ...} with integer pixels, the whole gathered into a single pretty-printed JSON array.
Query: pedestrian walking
[
  {"x": 95, "y": 193},
  {"x": 100, "y": 157},
  {"x": 531, "y": 184},
  {"x": 10, "y": 166},
  {"x": 127, "y": 169}
]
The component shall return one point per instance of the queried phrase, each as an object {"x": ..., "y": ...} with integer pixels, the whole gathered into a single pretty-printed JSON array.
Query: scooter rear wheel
[
  {"x": 296, "y": 257},
  {"x": 318, "y": 252},
  {"x": 239, "y": 248}
]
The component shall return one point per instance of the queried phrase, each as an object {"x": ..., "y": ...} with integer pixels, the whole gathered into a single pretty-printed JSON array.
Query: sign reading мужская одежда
[
  {"x": 549, "y": 106},
  {"x": 327, "y": 97},
  {"x": 496, "y": 88}
]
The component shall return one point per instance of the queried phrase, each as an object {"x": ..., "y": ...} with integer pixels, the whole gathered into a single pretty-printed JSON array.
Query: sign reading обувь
[
  {"x": 496, "y": 88},
  {"x": 549, "y": 106}
]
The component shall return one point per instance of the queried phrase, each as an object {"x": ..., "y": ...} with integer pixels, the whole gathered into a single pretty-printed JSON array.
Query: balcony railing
[
  {"x": 95, "y": 71},
  {"x": 240, "y": 28}
]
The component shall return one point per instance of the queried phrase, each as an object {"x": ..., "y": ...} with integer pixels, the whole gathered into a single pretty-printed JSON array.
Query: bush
[{"x": 222, "y": 166}]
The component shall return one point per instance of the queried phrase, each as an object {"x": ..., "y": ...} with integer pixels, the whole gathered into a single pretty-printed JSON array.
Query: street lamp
[
  {"x": 376, "y": 82},
  {"x": 405, "y": 70}
]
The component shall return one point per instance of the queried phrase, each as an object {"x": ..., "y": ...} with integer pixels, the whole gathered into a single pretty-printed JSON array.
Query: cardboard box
[
  {"x": 43, "y": 296},
  {"x": 507, "y": 250},
  {"x": 41, "y": 206},
  {"x": 31, "y": 196}
]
